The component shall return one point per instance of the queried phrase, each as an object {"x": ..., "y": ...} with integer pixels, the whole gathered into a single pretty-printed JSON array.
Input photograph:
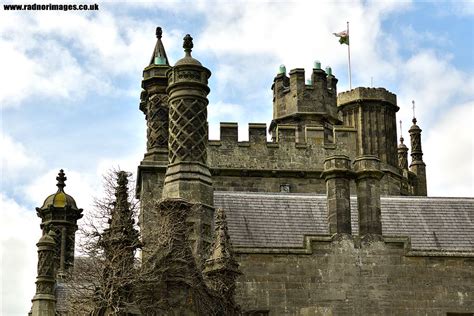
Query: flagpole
[{"x": 349, "y": 56}]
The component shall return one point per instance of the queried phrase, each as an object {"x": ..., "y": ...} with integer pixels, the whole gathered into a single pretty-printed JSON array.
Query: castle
[{"x": 327, "y": 218}]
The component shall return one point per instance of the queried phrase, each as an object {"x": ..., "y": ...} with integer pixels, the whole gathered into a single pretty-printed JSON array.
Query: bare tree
[
  {"x": 110, "y": 280},
  {"x": 104, "y": 275}
]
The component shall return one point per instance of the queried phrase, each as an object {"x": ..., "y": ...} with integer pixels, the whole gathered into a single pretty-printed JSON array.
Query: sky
[{"x": 70, "y": 87}]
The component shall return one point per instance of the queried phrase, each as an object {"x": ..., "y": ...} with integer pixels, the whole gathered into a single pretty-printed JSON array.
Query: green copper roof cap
[
  {"x": 188, "y": 47},
  {"x": 282, "y": 69},
  {"x": 329, "y": 71},
  {"x": 60, "y": 198},
  {"x": 159, "y": 54},
  {"x": 317, "y": 64}
]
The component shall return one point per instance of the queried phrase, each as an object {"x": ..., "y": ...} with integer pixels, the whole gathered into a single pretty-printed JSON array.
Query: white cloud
[
  {"x": 19, "y": 232},
  {"x": 434, "y": 84},
  {"x": 289, "y": 33},
  {"x": 449, "y": 153},
  {"x": 81, "y": 186},
  {"x": 64, "y": 56},
  {"x": 18, "y": 163}
]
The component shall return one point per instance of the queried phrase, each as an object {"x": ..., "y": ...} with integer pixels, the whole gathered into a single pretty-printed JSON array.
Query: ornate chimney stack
[
  {"x": 154, "y": 103},
  {"x": 44, "y": 301},
  {"x": 188, "y": 176},
  {"x": 417, "y": 165},
  {"x": 368, "y": 175},
  {"x": 337, "y": 173}
]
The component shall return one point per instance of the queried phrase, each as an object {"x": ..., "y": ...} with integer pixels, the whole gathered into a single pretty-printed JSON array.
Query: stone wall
[{"x": 350, "y": 277}]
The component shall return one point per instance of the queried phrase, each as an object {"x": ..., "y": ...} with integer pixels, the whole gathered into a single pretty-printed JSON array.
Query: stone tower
[
  {"x": 59, "y": 214},
  {"x": 417, "y": 165},
  {"x": 308, "y": 105},
  {"x": 188, "y": 176},
  {"x": 373, "y": 112}
]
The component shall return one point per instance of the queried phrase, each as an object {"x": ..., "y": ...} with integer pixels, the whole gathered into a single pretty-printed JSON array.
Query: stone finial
[
  {"x": 159, "y": 32},
  {"x": 188, "y": 44},
  {"x": 61, "y": 178}
]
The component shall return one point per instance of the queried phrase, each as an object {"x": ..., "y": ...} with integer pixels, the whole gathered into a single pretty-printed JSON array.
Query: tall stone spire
[
  {"x": 402, "y": 152},
  {"x": 119, "y": 242},
  {"x": 417, "y": 165},
  {"x": 188, "y": 176},
  {"x": 44, "y": 301},
  {"x": 60, "y": 213}
]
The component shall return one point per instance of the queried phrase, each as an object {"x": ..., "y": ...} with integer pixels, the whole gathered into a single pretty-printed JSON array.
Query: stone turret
[
  {"x": 188, "y": 176},
  {"x": 372, "y": 111},
  {"x": 60, "y": 213},
  {"x": 417, "y": 165},
  {"x": 311, "y": 104},
  {"x": 44, "y": 301}
]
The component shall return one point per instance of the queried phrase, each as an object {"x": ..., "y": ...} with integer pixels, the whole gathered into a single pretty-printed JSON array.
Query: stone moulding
[{"x": 311, "y": 242}]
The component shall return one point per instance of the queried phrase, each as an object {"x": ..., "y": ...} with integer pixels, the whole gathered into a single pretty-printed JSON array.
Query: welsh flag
[{"x": 343, "y": 37}]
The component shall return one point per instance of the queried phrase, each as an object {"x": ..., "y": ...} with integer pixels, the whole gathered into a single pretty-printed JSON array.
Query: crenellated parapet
[
  {"x": 258, "y": 164},
  {"x": 301, "y": 102},
  {"x": 283, "y": 158}
]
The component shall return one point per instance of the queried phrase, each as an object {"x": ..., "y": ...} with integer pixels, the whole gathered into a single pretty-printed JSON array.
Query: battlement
[
  {"x": 292, "y": 95},
  {"x": 366, "y": 94},
  {"x": 291, "y": 149}
]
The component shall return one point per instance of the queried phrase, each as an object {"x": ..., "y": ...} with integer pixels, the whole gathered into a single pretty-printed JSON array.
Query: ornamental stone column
[
  {"x": 44, "y": 301},
  {"x": 368, "y": 175},
  {"x": 188, "y": 176},
  {"x": 337, "y": 173}
]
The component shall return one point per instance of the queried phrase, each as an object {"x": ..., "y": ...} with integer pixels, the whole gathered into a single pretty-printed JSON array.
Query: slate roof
[{"x": 268, "y": 220}]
